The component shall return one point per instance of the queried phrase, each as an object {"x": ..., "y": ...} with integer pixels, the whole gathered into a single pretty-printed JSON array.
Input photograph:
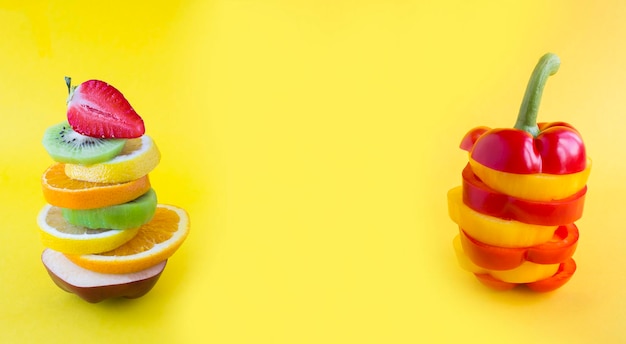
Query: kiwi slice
[
  {"x": 122, "y": 216},
  {"x": 63, "y": 144}
]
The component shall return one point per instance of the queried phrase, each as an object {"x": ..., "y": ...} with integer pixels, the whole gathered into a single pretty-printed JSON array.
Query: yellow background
[{"x": 313, "y": 143}]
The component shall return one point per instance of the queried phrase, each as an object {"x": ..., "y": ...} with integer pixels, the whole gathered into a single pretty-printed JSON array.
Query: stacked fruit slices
[{"x": 105, "y": 233}]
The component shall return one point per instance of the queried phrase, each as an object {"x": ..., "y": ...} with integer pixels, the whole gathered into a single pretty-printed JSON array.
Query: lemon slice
[
  {"x": 56, "y": 233},
  {"x": 137, "y": 159},
  {"x": 155, "y": 242}
]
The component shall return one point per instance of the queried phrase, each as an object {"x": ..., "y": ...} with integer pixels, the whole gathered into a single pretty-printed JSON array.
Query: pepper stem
[{"x": 527, "y": 117}]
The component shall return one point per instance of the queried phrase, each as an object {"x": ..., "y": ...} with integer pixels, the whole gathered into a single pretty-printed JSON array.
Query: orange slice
[
  {"x": 62, "y": 191},
  {"x": 155, "y": 242}
]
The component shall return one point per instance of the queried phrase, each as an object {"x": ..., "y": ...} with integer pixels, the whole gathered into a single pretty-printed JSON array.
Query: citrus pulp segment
[
  {"x": 155, "y": 242},
  {"x": 56, "y": 233},
  {"x": 137, "y": 159},
  {"x": 65, "y": 192}
]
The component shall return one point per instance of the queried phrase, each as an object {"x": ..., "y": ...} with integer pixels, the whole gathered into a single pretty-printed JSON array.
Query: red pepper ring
[
  {"x": 562, "y": 276},
  {"x": 559, "y": 249},
  {"x": 480, "y": 197}
]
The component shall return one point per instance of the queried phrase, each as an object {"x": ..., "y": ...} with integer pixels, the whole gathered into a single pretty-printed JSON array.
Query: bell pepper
[
  {"x": 522, "y": 190},
  {"x": 544, "y": 162},
  {"x": 558, "y": 250},
  {"x": 480, "y": 197},
  {"x": 539, "y": 187},
  {"x": 494, "y": 230},
  {"x": 527, "y": 272},
  {"x": 563, "y": 275}
]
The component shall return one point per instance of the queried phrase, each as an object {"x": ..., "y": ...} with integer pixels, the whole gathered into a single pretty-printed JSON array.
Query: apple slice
[{"x": 95, "y": 286}]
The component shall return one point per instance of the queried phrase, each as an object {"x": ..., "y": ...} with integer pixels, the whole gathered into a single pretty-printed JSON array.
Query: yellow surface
[{"x": 313, "y": 144}]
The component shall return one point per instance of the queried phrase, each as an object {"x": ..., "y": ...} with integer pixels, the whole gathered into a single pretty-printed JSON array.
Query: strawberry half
[{"x": 97, "y": 109}]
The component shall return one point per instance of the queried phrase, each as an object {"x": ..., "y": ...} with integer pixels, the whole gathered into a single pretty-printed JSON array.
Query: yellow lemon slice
[
  {"x": 155, "y": 242},
  {"x": 56, "y": 233},
  {"x": 137, "y": 159}
]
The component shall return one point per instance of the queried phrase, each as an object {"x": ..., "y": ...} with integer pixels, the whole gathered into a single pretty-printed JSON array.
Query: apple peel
[{"x": 95, "y": 287}]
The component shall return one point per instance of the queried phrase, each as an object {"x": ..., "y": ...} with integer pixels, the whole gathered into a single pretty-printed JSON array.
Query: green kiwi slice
[
  {"x": 63, "y": 144},
  {"x": 122, "y": 216}
]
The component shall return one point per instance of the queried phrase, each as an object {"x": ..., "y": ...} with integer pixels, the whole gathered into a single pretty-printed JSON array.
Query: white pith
[{"x": 146, "y": 144}]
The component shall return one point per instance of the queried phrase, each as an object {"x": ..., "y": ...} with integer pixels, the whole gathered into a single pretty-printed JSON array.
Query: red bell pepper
[
  {"x": 480, "y": 197},
  {"x": 562, "y": 276},
  {"x": 523, "y": 189},
  {"x": 526, "y": 272},
  {"x": 494, "y": 230},
  {"x": 537, "y": 187},
  {"x": 552, "y": 148},
  {"x": 559, "y": 249}
]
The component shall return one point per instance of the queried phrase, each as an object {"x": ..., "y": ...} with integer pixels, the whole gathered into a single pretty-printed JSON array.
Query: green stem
[
  {"x": 68, "y": 82},
  {"x": 527, "y": 117}
]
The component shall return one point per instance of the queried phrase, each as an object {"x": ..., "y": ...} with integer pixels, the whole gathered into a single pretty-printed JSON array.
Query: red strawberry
[{"x": 97, "y": 109}]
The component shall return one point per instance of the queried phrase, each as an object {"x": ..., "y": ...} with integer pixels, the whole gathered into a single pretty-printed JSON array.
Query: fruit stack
[
  {"x": 521, "y": 192},
  {"x": 104, "y": 232}
]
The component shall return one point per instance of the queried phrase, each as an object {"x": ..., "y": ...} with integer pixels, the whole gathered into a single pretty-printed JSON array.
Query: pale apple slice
[{"x": 95, "y": 286}]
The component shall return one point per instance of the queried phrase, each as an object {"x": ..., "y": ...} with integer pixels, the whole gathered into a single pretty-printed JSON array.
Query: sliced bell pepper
[
  {"x": 493, "y": 230},
  {"x": 526, "y": 272},
  {"x": 558, "y": 149},
  {"x": 552, "y": 148},
  {"x": 480, "y": 197},
  {"x": 563, "y": 275},
  {"x": 559, "y": 249},
  {"x": 522, "y": 190},
  {"x": 538, "y": 187}
]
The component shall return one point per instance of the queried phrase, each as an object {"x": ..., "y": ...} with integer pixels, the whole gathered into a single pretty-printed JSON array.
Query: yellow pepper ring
[
  {"x": 527, "y": 272},
  {"x": 537, "y": 186},
  {"x": 493, "y": 230}
]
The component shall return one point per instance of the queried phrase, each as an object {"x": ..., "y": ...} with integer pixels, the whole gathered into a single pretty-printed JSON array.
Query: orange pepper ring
[
  {"x": 559, "y": 249},
  {"x": 563, "y": 275},
  {"x": 526, "y": 272}
]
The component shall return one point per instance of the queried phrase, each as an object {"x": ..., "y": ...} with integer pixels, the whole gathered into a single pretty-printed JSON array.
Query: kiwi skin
[{"x": 63, "y": 144}]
